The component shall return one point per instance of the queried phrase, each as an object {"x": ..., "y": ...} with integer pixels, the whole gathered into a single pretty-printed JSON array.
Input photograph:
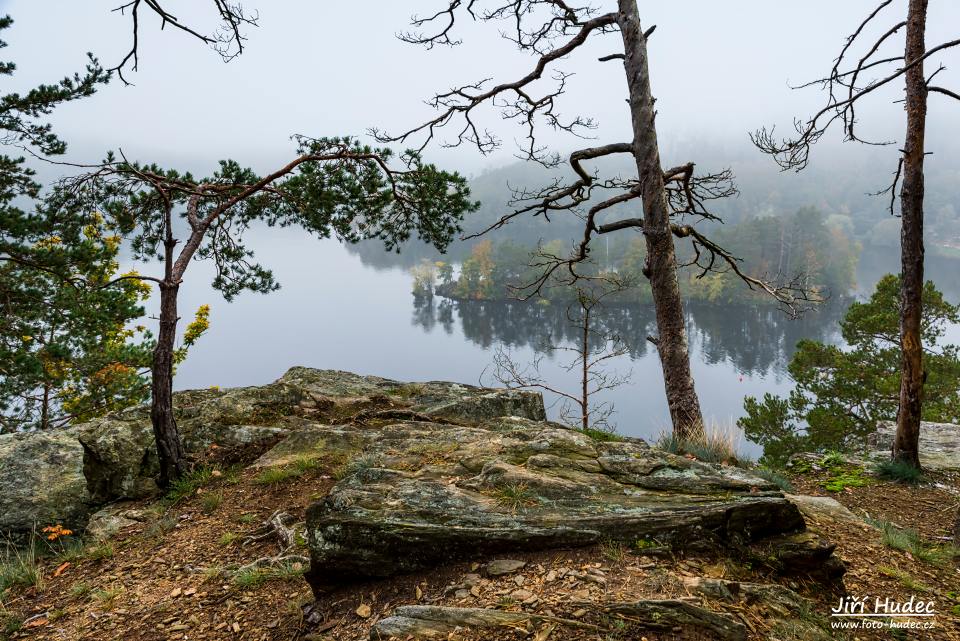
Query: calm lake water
[{"x": 335, "y": 312}]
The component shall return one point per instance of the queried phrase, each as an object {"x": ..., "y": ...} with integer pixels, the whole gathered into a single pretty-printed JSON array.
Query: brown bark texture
[
  {"x": 906, "y": 442},
  {"x": 661, "y": 255},
  {"x": 173, "y": 461}
]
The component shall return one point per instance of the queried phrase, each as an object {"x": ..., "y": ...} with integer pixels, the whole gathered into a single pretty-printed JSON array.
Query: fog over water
[{"x": 720, "y": 70}]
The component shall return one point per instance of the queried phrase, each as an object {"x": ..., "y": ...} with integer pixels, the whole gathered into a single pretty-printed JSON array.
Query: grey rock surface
[
  {"x": 63, "y": 476},
  {"x": 41, "y": 476},
  {"x": 939, "y": 444},
  {"x": 425, "y": 493}
]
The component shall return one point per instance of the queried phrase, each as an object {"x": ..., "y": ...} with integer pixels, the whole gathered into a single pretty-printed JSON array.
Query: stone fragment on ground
[
  {"x": 791, "y": 616},
  {"x": 823, "y": 507},
  {"x": 426, "y": 622},
  {"x": 499, "y": 567},
  {"x": 108, "y": 521}
]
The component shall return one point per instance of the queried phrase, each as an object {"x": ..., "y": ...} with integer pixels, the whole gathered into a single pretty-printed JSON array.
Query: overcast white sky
[{"x": 322, "y": 68}]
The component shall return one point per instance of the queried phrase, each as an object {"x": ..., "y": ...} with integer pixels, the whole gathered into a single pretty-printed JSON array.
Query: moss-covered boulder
[{"x": 41, "y": 476}]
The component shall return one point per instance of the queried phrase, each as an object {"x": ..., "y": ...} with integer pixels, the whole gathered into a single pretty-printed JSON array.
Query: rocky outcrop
[
  {"x": 423, "y": 493},
  {"x": 41, "y": 474},
  {"x": 939, "y": 444},
  {"x": 62, "y": 476}
]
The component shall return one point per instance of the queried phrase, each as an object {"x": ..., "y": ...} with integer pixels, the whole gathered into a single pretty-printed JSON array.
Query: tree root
[
  {"x": 274, "y": 561},
  {"x": 281, "y": 526}
]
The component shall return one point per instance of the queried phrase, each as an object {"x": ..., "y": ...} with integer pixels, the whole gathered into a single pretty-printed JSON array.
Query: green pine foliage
[
  {"x": 842, "y": 393},
  {"x": 68, "y": 350}
]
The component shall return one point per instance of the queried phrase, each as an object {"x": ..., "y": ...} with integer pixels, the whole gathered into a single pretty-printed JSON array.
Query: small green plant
[
  {"x": 159, "y": 528},
  {"x": 211, "y": 502},
  {"x": 252, "y": 577},
  {"x": 10, "y": 624},
  {"x": 283, "y": 473},
  {"x": 108, "y": 598},
  {"x": 71, "y": 550},
  {"x": 186, "y": 486},
  {"x": 646, "y": 544},
  {"x": 213, "y": 572},
  {"x": 21, "y": 568},
  {"x": 800, "y": 465},
  {"x": 841, "y": 479},
  {"x": 908, "y": 540},
  {"x": 614, "y": 550},
  {"x": 100, "y": 551},
  {"x": 899, "y": 471},
  {"x": 357, "y": 465},
  {"x": 774, "y": 477},
  {"x": 228, "y": 538},
  {"x": 832, "y": 459},
  {"x": 80, "y": 590},
  {"x": 516, "y": 496},
  {"x": 233, "y": 475},
  {"x": 247, "y": 518},
  {"x": 905, "y": 579},
  {"x": 249, "y": 578}
]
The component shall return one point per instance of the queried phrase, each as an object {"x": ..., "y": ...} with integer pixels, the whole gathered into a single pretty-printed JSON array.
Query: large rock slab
[
  {"x": 63, "y": 476},
  {"x": 41, "y": 481},
  {"x": 939, "y": 444},
  {"x": 425, "y": 493},
  {"x": 119, "y": 457}
]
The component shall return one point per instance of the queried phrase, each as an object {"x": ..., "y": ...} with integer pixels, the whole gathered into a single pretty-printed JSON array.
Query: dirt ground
[{"x": 173, "y": 576}]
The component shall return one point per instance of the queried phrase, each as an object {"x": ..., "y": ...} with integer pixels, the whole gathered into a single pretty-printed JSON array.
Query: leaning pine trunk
[
  {"x": 173, "y": 461},
  {"x": 905, "y": 445},
  {"x": 661, "y": 256}
]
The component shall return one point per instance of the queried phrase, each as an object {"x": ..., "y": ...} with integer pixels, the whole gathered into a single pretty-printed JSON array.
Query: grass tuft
[
  {"x": 908, "y": 540},
  {"x": 905, "y": 579},
  {"x": 716, "y": 443},
  {"x": 257, "y": 576},
  {"x": 20, "y": 568},
  {"x": 186, "y": 486},
  {"x": 899, "y": 471},
  {"x": 774, "y": 477},
  {"x": 99, "y": 551},
  {"x": 516, "y": 496},
  {"x": 603, "y": 435},
  {"x": 211, "y": 502},
  {"x": 614, "y": 551},
  {"x": 228, "y": 538},
  {"x": 108, "y": 598},
  {"x": 284, "y": 473}
]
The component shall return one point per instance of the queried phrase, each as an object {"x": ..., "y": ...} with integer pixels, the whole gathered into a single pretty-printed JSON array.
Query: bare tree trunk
[
  {"x": 45, "y": 408},
  {"x": 661, "y": 265},
  {"x": 173, "y": 460},
  {"x": 906, "y": 443},
  {"x": 585, "y": 369}
]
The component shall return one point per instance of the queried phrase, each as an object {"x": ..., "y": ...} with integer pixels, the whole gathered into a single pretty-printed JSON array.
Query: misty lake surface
[{"x": 335, "y": 312}]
